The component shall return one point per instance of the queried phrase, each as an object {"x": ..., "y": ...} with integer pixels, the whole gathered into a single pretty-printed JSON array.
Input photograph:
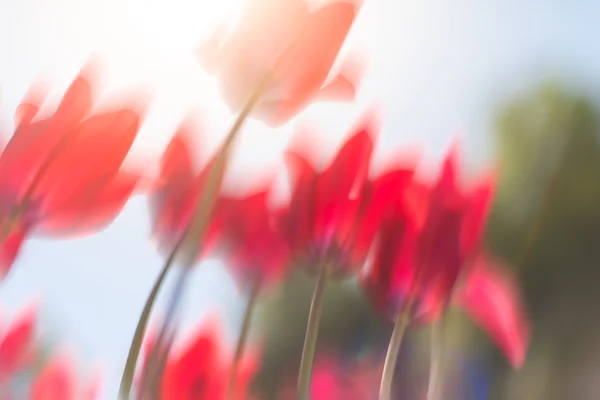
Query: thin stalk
[
  {"x": 389, "y": 367},
  {"x": 191, "y": 236},
  {"x": 312, "y": 333},
  {"x": 154, "y": 362},
  {"x": 242, "y": 340},
  {"x": 435, "y": 360}
]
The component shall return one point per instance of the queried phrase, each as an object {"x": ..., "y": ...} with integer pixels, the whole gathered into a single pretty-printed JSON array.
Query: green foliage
[{"x": 546, "y": 221}]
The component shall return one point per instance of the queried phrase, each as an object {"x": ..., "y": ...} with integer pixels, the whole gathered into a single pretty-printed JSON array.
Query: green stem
[
  {"x": 435, "y": 360},
  {"x": 312, "y": 333},
  {"x": 192, "y": 236},
  {"x": 389, "y": 367},
  {"x": 241, "y": 344}
]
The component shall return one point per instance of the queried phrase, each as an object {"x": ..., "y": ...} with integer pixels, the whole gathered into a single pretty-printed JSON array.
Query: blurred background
[{"x": 517, "y": 83}]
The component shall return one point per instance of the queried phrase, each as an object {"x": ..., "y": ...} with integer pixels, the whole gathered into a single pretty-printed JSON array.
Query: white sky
[{"x": 437, "y": 68}]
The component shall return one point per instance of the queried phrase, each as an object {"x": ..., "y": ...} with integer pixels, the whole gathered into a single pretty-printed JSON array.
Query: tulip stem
[
  {"x": 389, "y": 367},
  {"x": 192, "y": 234},
  {"x": 435, "y": 360},
  {"x": 242, "y": 340},
  {"x": 155, "y": 361},
  {"x": 312, "y": 333}
]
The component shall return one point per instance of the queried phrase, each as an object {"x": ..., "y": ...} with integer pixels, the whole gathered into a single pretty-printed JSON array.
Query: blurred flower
[
  {"x": 255, "y": 251},
  {"x": 200, "y": 370},
  {"x": 179, "y": 188},
  {"x": 16, "y": 344},
  {"x": 334, "y": 378},
  {"x": 490, "y": 296},
  {"x": 295, "y": 44},
  {"x": 326, "y": 212},
  {"x": 58, "y": 381},
  {"x": 428, "y": 242},
  {"x": 61, "y": 176}
]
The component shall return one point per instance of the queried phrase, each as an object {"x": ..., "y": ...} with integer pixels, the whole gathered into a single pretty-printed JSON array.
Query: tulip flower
[
  {"x": 180, "y": 185},
  {"x": 322, "y": 222},
  {"x": 61, "y": 176},
  {"x": 428, "y": 244},
  {"x": 16, "y": 344},
  {"x": 58, "y": 381},
  {"x": 292, "y": 43},
  {"x": 255, "y": 251},
  {"x": 199, "y": 371}
]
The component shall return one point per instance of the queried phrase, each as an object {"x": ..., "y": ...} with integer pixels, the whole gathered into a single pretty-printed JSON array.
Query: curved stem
[
  {"x": 192, "y": 235},
  {"x": 161, "y": 347},
  {"x": 312, "y": 333},
  {"x": 389, "y": 367},
  {"x": 241, "y": 344},
  {"x": 435, "y": 360},
  {"x": 140, "y": 329}
]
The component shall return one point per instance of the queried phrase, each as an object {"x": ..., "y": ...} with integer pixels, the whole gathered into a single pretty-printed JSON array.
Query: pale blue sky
[{"x": 437, "y": 67}]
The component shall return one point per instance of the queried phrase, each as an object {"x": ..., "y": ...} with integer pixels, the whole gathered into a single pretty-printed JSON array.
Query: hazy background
[{"x": 438, "y": 69}]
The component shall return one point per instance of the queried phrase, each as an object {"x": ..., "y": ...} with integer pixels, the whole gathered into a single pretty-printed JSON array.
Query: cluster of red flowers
[{"x": 415, "y": 246}]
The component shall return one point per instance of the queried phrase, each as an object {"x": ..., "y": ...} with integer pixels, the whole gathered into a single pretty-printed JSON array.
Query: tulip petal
[
  {"x": 298, "y": 219},
  {"x": 343, "y": 87},
  {"x": 10, "y": 248},
  {"x": 90, "y": 210},
  {"x": 491, "y": 298},
  {"x": 173, "y": 200},
  {"x": 93, "y": 157},
  {"x": 340, "y": 88},
  {"x": 16, "y": 344},
  {"x": 28, "y": 109},
  {"x": 340, "y": 184},
  {"x": 55, "y": 382},
  {"x": 32, "y": 143},
  {"x": 477, "y": 209},
  {"x": 306, "y": 65}
]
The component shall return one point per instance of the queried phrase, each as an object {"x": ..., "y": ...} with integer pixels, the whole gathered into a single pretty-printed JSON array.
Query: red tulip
[
  {"x": 491, "y": 297},
  {"x": 58, "y": 381},
  {"x": 16, "y": 344},
  {"x": 176, "y": 195},
  {"x": 200, "y": 371},
  {"x": 428, "y": 242},
  {"x": 62, "y": 176},
  {"x": 323, "y": 220},
  {"x": 255, "y": 251},
  {"x": 294, "y": 43}
]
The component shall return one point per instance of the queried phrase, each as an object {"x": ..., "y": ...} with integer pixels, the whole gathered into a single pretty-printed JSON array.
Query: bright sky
[{"x": 437, "y": 68}]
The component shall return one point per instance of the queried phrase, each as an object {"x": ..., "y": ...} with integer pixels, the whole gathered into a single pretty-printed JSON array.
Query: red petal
[
  {"x": 91, "y": 210},
  {"x": 490, "y": 296},
  {"x": 342, "y": 182},
  {"x": 177, "y": 160},
  {"x": 16, "y": 344},
  {"x": 298, "y": 218},
  {"x": 477, "y": 209},
  {"x": 30, "y": 146},
  {"x": 379, "y": 195},
  {"x": 256, "y": 250},
  {"x": 389, "y": 278},
  {"x": 264, "y": 30},
  {"x": 30, "y": 105},
  {"x": 305, "y": 66},
  {"x": 174, "y": 199},
  {"x": 10, "y": 248},
  {"x": 91, "y": 159},
  {"x": 55, "y": 382},
  {"x": 198, "y": 373}
]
